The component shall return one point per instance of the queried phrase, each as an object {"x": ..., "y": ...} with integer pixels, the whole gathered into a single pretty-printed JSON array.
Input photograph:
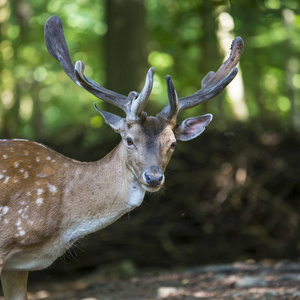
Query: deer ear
[
  {"x": 114, "y": 121},
  {"x": 192, "y": 127}
]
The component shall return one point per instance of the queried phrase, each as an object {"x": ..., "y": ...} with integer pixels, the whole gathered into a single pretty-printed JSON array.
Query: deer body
[
  {"x": 57, "y": 201},
  {"x": 48, "y": 201}
]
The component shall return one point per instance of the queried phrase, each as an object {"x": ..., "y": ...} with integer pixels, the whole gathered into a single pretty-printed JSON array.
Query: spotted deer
[{"x": 48, "y": 201}]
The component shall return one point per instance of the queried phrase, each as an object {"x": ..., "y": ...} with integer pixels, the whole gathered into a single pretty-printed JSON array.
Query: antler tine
[
  {"x": 213, "y": 83},
  {"x": 207, "y": 93},
  {"x": 57, "y": 47},
  {"x": 173, "y": 99},
  {"x": 139, "y": 101},
  {"x": 97, "y": 90}
]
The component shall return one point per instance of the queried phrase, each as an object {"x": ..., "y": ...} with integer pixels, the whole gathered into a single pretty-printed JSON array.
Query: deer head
[{"x": 148, "y": 142}]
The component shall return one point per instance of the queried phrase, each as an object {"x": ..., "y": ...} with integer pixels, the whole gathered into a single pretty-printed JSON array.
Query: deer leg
[{"x": 14, "y": 285}]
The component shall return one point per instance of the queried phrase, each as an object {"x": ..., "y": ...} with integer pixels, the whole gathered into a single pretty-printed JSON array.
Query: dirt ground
[{"x": 265, "y": 280}]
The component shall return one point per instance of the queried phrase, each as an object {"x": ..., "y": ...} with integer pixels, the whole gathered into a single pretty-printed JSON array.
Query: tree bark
[{"x": 125, "y": 45}]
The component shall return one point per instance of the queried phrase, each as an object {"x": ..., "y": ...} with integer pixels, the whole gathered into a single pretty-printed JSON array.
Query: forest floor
[{"x": 265, "y": 280}]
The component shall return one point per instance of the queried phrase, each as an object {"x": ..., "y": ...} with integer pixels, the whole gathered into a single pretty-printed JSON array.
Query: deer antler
[
  {"x": 212, "y": 84},
  {"x": 173, "y": 99},
  {"x": 132, "y": 105}
]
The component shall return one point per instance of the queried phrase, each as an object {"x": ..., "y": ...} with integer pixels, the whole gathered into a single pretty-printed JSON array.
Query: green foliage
[
  {"x": 39, "y": 101},
  {"x": 271, "y": 57}
]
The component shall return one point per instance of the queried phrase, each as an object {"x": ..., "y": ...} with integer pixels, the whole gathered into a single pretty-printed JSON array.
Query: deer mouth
[{"x": 151, "y": 189}]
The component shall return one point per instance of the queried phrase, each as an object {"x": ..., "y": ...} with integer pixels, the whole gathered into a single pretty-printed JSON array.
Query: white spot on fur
[
  {"x": 16, "y": 164},
  {"x": 19, "y": 222},
  {"x": 48, "y": 158},
  {"x": 39, "y": 201},
  {"x": 6, "y": 179},
  {"x": 26, "y": 175},
  {"x": 22, "y": 170},
  {"x": 41, "y": 175},
  {"x": 3, "y": 211},
  {"x": 40, "y": 192},
  {"x": 23, "y": 211},
  {"x": 52, "y": 188},
  {"x": 1, "y": 176},
  {"x": 21, "y": 232},
  {"x": 4, "y": 156},
  {"x": 6, "y": 221},
  {"x": 37, "y": 159}
]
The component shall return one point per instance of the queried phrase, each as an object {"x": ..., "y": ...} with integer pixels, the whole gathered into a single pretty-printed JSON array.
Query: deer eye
[
  {"x": 173, "y": 145},
  {"x": 129, "y": 141}
]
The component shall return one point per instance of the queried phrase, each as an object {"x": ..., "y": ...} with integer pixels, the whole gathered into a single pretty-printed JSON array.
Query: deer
[{"x": 49, "y": 201}]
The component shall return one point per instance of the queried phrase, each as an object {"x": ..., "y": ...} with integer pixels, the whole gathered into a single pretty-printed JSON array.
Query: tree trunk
[{"x": 125, "y": 45}]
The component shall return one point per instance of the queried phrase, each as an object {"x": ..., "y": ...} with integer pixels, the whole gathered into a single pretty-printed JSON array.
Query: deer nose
[
  {"x": 154, "y": 176},
  {"x": 153, "y": 181}
]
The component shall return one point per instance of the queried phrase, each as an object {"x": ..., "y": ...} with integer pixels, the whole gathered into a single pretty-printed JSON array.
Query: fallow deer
[{"x": 48, "y": 201}]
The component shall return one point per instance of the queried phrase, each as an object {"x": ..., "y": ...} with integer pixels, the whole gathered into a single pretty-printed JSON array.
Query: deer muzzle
[{"x": 153, "y": 178}]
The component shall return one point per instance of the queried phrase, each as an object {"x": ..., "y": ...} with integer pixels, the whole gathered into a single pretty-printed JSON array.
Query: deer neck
[{"x": 98, "y": 194}]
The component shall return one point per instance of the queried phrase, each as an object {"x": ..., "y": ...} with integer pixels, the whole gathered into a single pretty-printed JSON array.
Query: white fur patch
[
  {"x": 3, "y": 211},
  {"x": 52, "y": 188},
  {"x": 136, "y": 196},
  {"x": 39, "y": 201}
]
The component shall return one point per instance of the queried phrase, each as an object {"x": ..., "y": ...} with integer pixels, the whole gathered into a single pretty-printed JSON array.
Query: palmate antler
[
  {"x": 212, "y": 84},
  {"x": 134, "y": 104}
]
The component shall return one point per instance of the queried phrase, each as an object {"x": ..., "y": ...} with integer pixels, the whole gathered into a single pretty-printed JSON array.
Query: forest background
[{"x": 231, "y": 194}]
